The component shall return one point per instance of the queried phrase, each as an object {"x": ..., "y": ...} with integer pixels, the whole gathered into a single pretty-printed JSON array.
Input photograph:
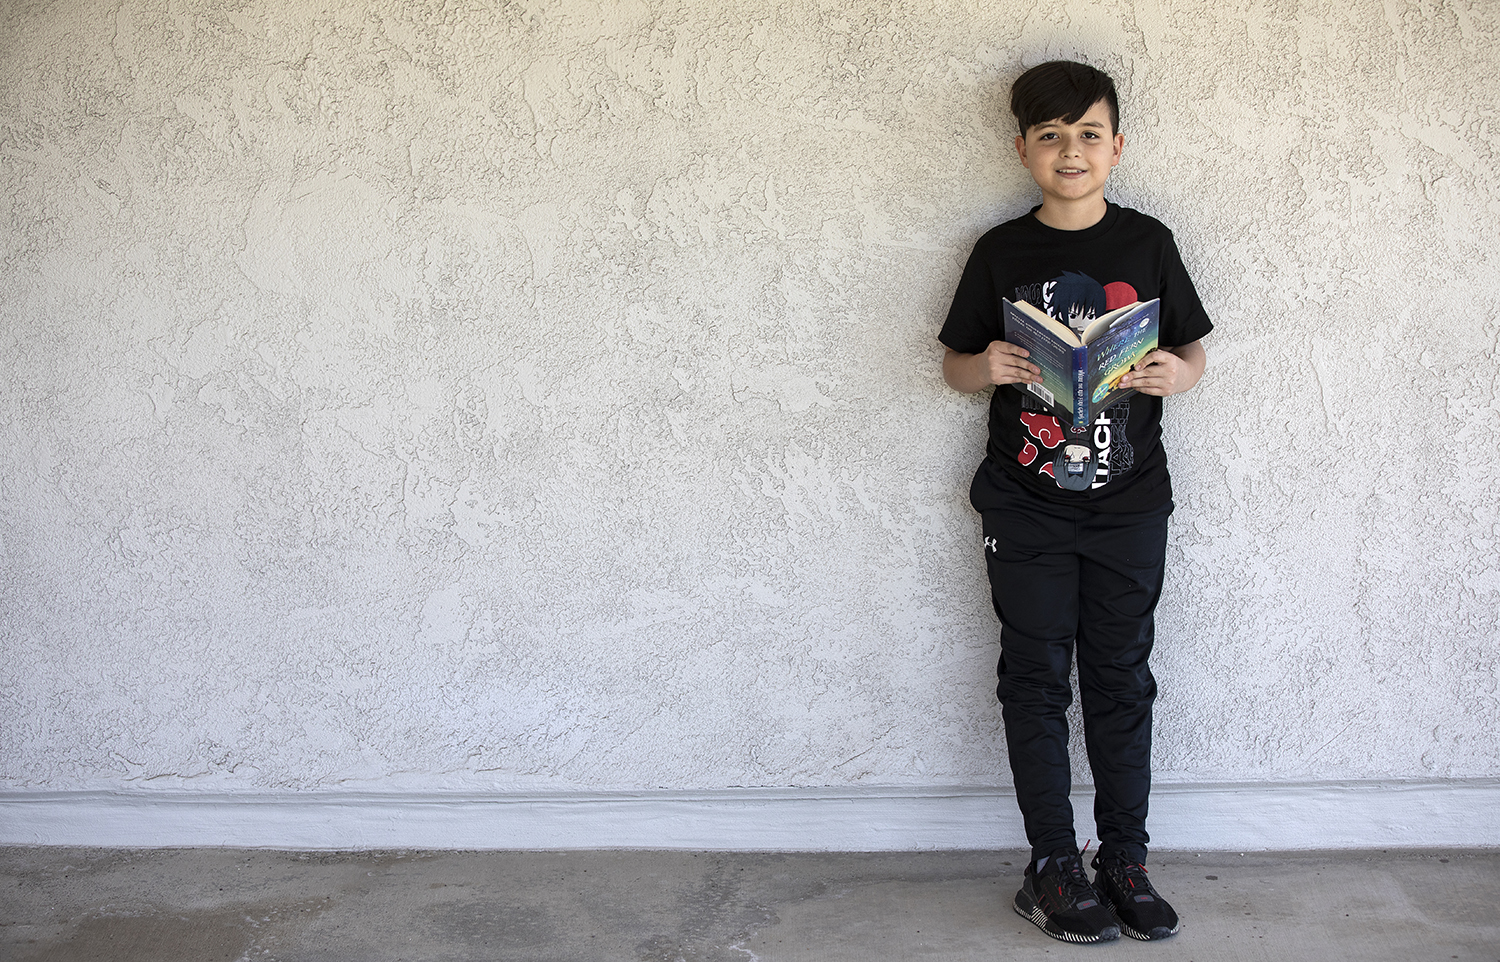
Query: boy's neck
[{"x": 1077, "y": 215}]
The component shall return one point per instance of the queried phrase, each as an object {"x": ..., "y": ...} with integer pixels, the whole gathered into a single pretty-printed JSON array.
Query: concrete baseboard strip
[{"x": 1284, "y": 817}]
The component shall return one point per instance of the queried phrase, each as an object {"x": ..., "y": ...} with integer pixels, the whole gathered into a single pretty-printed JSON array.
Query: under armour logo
[{"x": 990, "y": 544}]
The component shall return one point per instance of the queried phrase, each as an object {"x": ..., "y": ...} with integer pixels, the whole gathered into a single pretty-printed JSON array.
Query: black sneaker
[
  {"x": 1060, "y": 901},
  {"x": 1141, "y": 912}
]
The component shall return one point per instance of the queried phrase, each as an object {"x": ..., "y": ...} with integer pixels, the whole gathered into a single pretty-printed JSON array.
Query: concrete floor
[{"x": 211, "y": 904}]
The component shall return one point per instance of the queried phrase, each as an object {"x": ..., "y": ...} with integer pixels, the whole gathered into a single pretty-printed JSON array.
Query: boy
[{"x": 1076, "y": 557}]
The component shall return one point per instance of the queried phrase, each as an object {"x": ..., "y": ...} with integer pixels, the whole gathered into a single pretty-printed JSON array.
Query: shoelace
[
  {"x": 1133, "y": 875},
  {"x": 1073, "y": 878}
]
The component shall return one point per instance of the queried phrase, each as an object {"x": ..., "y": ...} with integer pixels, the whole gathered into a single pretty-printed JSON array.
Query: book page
[{"x": 1060, "y": 330}]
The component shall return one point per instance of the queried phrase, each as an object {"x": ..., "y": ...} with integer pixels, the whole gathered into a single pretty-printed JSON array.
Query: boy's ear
[
  {"x": 1119, "y": 149},
  {"x": 1021, "y": 149}
]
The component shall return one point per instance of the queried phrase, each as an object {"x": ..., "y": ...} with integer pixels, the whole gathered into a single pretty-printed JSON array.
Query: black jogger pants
[{"x": 1062, "y": 576}]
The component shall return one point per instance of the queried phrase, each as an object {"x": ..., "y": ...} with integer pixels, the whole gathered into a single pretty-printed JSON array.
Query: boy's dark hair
[{"x": 1062, "y": 89}]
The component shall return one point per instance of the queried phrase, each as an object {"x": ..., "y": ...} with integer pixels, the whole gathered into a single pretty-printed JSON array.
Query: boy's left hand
[{"x": 1165, "y": 372}]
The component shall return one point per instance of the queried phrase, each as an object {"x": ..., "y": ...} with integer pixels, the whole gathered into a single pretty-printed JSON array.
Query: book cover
[
  {"x": 1081, "y": 375},
  {"x": 1118, "y": 348},
  {"x": 1046, "y": 340}
]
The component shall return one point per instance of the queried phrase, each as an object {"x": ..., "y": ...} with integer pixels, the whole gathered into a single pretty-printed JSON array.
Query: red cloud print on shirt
[{"x": 1044, "y": 427}]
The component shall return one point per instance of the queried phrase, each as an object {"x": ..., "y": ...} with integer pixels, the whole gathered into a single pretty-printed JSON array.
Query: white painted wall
[{"x": 544, "y": 397}]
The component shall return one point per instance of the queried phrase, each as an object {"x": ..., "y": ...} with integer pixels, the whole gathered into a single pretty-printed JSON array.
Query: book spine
[{"x": 1081, "y": 387}]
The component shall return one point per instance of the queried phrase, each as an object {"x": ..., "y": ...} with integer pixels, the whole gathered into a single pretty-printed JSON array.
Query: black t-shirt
[{"x": 1075, "y": 276}]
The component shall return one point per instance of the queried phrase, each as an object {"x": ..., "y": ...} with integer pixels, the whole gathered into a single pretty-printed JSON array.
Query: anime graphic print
[{"x": 1076, "y": 458}]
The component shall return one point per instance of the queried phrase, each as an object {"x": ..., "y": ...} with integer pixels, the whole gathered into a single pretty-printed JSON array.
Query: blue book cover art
[
  {"x": 1116, "y": 349},
  {"x": 1081, "y": 376}
]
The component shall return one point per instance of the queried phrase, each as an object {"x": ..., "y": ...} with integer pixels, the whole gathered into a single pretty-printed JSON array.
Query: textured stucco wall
[{"x": 545, "y": 395}]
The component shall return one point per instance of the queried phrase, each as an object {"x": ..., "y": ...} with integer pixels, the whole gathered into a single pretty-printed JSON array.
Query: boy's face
[{"x": 1071, "y": 162}]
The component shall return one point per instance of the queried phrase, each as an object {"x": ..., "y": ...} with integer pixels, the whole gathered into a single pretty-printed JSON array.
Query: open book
[{"x": 1081, "y": 375}]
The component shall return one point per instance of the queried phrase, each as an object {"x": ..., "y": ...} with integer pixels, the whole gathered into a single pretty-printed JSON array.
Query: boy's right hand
[
  {"x": 1006, "y": 364},
  {"x": 1000, "y": 363}
]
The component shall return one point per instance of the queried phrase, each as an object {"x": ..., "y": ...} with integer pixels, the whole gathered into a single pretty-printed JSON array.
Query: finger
[
  {"x": 1016, "y": 365},
  {"x": 1159, "y": 386},
  {"x": 1144, "y": 382}
]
